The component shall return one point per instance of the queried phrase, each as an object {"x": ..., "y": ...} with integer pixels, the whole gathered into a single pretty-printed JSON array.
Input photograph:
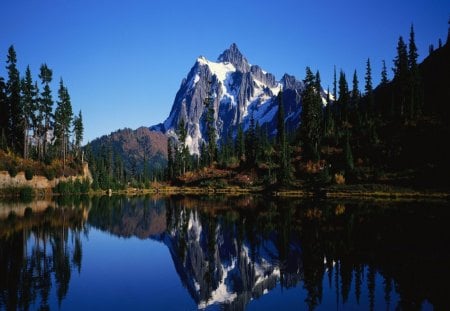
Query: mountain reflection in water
[{"x": 240, "y": 253}]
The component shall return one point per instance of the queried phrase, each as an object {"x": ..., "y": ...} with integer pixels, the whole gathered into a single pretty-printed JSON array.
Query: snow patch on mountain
[{"x": 240, "y": 91}]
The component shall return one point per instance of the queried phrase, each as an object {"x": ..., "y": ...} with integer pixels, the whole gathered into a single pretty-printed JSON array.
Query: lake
[{"x": 223, "y": 253}]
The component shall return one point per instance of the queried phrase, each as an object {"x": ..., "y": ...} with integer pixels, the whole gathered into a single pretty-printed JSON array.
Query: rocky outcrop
[
  {"x": 240, "y": 92},
  {"x": 39, "y": 182}
]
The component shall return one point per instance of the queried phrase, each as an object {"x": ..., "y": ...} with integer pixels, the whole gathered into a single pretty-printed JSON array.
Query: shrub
[
  {"x": 12, "y": 170},
  {"x": 29, "y": 172},
  {"x": 64, "y": 187},
  {"x": 50, "y": 173}
]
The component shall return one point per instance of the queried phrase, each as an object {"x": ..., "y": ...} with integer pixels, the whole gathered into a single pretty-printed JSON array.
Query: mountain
[
  {"x": 240, "y": 91},
  {"x": 133, "y": 146}
]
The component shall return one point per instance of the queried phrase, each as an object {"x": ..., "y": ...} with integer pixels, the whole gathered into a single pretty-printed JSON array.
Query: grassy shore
[{"x": 360, "y": 192}]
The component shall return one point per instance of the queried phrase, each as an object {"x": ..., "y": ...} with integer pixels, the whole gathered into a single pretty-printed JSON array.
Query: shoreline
[
  {"x": 343, "y": 192},
  {"x": 356, "y": 191}
]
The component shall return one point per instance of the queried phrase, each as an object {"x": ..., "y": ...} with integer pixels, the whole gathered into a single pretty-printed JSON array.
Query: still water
[{"x": 222, "y": 253}]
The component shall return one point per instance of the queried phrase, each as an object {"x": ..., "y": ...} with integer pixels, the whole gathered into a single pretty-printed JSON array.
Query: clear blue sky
[{"x": 123, "y": 61}]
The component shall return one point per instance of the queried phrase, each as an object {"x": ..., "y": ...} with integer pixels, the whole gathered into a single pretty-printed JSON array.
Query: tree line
[
  {"x": 30, "y": 123},
  {"x": 351, "y": 125}
]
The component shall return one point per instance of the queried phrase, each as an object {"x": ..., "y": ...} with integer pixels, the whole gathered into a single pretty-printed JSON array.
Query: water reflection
[
  {"x": 230, "y": 252},
  {"x": 38, "y": 250}
]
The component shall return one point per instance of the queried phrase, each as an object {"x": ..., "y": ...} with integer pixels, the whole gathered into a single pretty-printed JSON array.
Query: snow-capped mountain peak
[{"x": 240, "y": 91}]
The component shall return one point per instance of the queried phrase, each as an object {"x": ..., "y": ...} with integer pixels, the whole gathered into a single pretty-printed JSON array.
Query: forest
[
  {"x": 391, "y": 134},
  {"x": 35, "y": 135}
]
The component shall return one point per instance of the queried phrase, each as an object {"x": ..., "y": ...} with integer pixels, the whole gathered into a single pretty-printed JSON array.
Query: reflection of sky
[
  {"x": 129, "y": 273},
  {"x": 125, "y": 274}
]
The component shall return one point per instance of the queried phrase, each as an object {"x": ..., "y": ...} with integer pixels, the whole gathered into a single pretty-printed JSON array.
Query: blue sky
[{"x": 123, "y": 61}]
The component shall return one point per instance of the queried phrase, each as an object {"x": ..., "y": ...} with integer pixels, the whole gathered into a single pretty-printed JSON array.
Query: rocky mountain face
[
  {"x": 240, "y": 91},
  {"x": 217, "y": 267}
]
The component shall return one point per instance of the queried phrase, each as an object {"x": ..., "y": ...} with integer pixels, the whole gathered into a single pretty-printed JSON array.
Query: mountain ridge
[{"x": 241, "y": 91}]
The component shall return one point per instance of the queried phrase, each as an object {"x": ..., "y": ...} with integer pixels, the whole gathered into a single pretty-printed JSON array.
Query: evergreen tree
[
  {"x": 328, "y": 117},
  {"x": 401, "y": 73},
  {"x": 284, "y": 175},
  {"x": 29, "y": 107},
  {"x": 348, "y": 154},
  {"x": 384, "y": 78},
  {"x": 311, "y": 116},
  {"x": 63, "y": 120},
  {"x": 240, "y": 143},
  {"x": 78, "y": 130},
  {"x": 15, "y": 125},
  {"x": 250, "y": 143},
  {"x": 4, "y": 115},
  {"x": 210, "y": 128},
  {"x": 344, "y": 98},
  {"x": 414, "y": 102},
  {"x": 368, "y": 88},
  {"x": 334, "y": 84},
  {"x": 281, "y": 130},
  {"x": 182, "y": 149},
  {"x": 170, "y": 159},
  {"x": 354, "y": 117},
  {"x": 45, "y": 107},
  {"x": 355, "y": 91}
]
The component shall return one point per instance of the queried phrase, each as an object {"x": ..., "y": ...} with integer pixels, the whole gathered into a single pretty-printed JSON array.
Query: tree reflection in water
[
  {"x": 229, "y": 251},
  {"x": 37, "y": 250}
]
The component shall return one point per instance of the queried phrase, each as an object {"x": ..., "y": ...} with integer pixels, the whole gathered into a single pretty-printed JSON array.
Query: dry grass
[{"x": 339, "y": 179}]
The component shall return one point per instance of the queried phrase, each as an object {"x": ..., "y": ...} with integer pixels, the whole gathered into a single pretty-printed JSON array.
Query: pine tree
[
  {"x": 240, "y": 143},
  {"x": 368, "y": 88},
  {"x": 210, "y": 128},
  {"x": 384, "y": 78},
  {"x": 334, "y": 84},
  {"x": 78, "y": 130},
  {"x": 250, "y": 142},
  {"x": 355, "y": 90},
  {"x": 4, "y": 115},
  {"x": 170, "y": 159},
  {"x": 15, "y": 125},
  {"x": 63, "y": 120},
  {"x": 354, "y": 117},
  {"x": 344, "y": 98},
  {"x": 284, "y": 175},
  {"x": 328, "y": 117},
  {"x": 401, "y": 76},
  {"x": 182, "y": 149},
  {"x": 348, "y": 154},
  {"x": 311, "y": 116},
  {"x": 414, "y": 104},
  {"x": 29, "y": 107},
  {"x": 45, "y": 106},
  {"x": 281, "y": 130}
]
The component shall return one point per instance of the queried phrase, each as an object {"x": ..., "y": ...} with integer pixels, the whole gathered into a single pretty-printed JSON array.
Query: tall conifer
[
  {"x": 63, "y": 119},
  {"x": 15, "y": 129},
  {"x": 4, "y": 115},
  {"x": 28, "y": 105},
  {"x": 384, "y": 78},
  {"x": 45, "y": 105}
]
